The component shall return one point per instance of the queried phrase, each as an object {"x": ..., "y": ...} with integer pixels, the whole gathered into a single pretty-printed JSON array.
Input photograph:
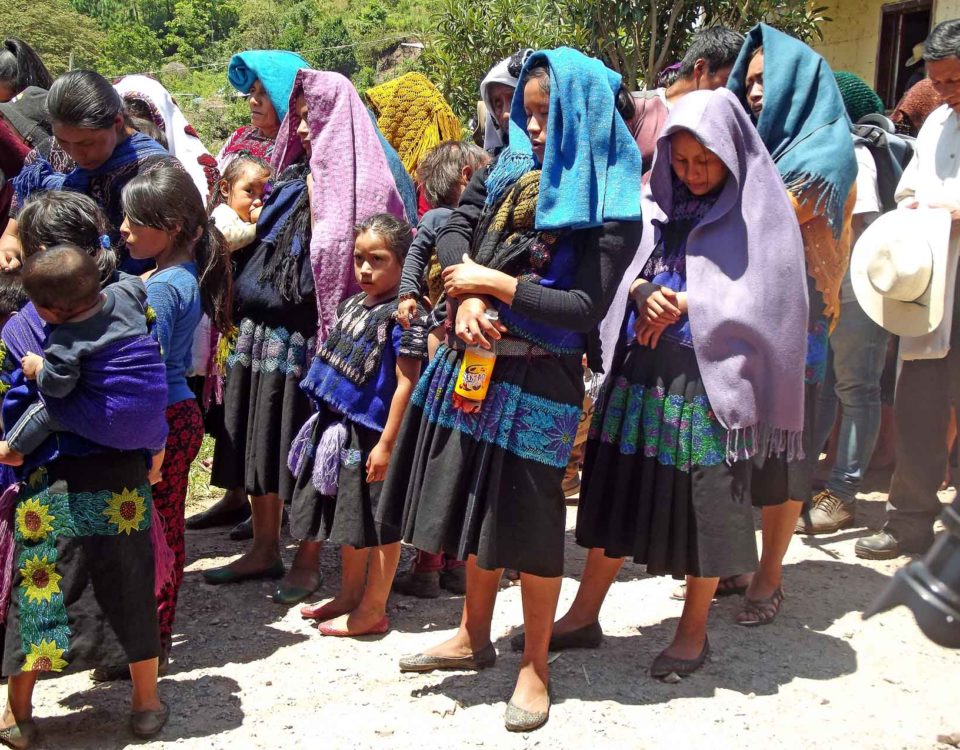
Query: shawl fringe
[
  {"x": 326, "y": 465},
  {"x": 8, "y": 506},
  {"x": 763, "y": 439},
  {"x": 830, "y": 201}
]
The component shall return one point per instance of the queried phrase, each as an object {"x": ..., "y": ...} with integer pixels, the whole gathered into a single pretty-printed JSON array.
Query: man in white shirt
[{"x": 930, "y": 377}]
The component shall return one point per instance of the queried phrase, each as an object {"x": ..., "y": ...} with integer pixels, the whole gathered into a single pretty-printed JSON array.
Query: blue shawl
[
  {"x": 804, "y": 124},
  {"x": 591, "y": 166},
  {"x": 275, "y": 69},
  {"x": 404, "y": 183}
]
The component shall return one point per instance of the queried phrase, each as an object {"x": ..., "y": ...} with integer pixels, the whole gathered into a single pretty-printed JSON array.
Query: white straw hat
[{"x": 899, "y": 268}]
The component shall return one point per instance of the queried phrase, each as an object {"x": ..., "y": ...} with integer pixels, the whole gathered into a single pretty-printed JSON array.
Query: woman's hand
[
  {"x": 472, "y": 325},
  {"x": 10, "y": 260},
  {"x": 377, "y": 462},
  {"x": 469, "y": 279}
]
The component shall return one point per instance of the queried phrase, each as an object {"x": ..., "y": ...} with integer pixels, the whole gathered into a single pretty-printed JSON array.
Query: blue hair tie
[{"x": 105, "y": 241}]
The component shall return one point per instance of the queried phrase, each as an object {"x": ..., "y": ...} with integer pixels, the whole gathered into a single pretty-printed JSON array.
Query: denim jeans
[{"x": 858, "y": 348}]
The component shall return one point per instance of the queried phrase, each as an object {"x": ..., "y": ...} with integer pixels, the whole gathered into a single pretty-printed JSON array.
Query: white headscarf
[
  {"x": 182, "y": 139},
  {"x": 500, "y": 73}
]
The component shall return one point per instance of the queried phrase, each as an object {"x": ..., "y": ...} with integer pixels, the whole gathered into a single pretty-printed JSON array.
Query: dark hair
[
  {"x": 12, "y": 294},
  {"x": 55, "y": 217},
  {"x": 63, "y": 278},
  {"x": 626, "y": 105},
  {"x": 943, "y": 42},
  {"x": 138, "y": 108},
  {"x": 542, "y": 74},
  {"x": 234, "y": 171},
  {"x": 166, "y": 198},
  {"x": 440, "y": 171},
  {"x": 517, "y": 59},
  {"x": 84, "y": 99},
  {"x": 149, "y": 128},
  {"x": 395, "y": 233},
  {"x": 20, "y": 65},
  {"x": 718, "y": 46}
]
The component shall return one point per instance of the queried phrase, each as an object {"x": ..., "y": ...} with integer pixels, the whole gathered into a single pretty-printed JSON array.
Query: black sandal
[
  {"x": 20, "y": 735},
  {"x": 761, "y": 611}
]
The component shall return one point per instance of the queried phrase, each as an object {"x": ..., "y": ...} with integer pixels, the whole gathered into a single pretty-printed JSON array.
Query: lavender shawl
[
  {"x": 351, "y": 180},
  {"x": 746, "y": 280}
]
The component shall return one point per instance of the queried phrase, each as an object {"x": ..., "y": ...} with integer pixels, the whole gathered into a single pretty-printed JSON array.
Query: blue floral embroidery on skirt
[{"x": 529, "y": 426}]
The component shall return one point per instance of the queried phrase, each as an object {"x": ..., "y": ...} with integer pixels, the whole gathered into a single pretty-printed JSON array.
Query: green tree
[
  {"x": 197, "y": 26},
  {"x": 55, "y": 30},
  {"x": 131, "y": 48}
]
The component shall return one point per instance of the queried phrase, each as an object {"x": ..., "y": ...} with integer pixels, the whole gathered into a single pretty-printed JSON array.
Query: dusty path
[{"x": 248, "y": 673}]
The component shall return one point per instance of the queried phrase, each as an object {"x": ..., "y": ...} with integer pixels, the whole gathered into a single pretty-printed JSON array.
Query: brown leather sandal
[{"x": 761, "y": 611}]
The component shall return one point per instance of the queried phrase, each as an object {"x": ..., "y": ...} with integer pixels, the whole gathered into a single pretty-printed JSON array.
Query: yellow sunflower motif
[
  {"x": 44, "y": 657},
  {"x": 40, "y": 579},
  {"x": 125, "y": 511},
  {"x": 34, "y": 520}
]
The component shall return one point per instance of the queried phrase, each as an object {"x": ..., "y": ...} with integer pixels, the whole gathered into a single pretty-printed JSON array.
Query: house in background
[{"x": 876, "y": 39}]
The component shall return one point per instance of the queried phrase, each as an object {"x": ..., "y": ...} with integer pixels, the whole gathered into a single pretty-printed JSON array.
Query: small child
[
  {"x": 443, "y": 174},
  {"x": 90, "y": 328},
  {"x": 238, "y": 200},
  {"x": 12, "y": 295},
  {"x": 360, "y": 381}
]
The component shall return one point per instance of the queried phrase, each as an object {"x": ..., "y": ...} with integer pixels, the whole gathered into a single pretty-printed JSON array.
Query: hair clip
[{"x": 105, "y": 241}]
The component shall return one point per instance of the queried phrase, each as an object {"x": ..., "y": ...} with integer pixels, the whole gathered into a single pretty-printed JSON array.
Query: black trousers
[{"x": 926, "y": 390}]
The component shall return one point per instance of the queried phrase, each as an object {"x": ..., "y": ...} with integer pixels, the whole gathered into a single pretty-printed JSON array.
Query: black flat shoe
[
  {"x": 146, "y": 724},
  {"x": 664, "y": 665},
  {"x": 482, "y": 659},
  {"x": 589, "y": 636},
  {"x": 214, "y": 517}
]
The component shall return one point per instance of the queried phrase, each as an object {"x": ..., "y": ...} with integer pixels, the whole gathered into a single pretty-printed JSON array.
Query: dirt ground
[{"x": 248, "y": 673}]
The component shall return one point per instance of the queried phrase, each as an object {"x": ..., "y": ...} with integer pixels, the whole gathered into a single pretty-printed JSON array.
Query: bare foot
[
  {"x": 457, "y": 647},
  {"x": 359, "y": 620},
  {"x": 305, "y": 578},
  {"x": 761, "y": 588},
  {"x": 9, "y": 456},
  {"x": 531, "y": 692},
  {"x": 330, "y": 608}
]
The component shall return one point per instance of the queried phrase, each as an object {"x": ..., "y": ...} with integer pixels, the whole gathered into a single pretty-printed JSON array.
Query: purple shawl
[
  {"x": 120, "y": 400},
  {"x": 351, "y": 180},
  {"x": 745, "y": 278}
]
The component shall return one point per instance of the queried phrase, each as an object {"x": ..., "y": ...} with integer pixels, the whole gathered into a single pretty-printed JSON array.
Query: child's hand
[
  {"x": 657, "y": 304},
  {"x": 255, "y": 208},
  {"x": 405, "y": 311},
  {"x": 377, "y": 462},
  {"x": 32, "y": 364},
  {"x": 155, "y": 475}
]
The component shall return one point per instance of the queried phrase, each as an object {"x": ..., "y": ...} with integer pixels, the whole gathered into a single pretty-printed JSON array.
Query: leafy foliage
[{"x": 42, "y": 23}]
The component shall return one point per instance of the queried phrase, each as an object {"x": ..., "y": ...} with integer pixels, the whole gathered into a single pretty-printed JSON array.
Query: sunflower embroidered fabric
[
  {"x": 41, "y": 518},
  {"x": 667, "y": 427}
]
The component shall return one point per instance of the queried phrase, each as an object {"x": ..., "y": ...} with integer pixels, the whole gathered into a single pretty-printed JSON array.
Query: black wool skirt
[
  {"x": 487, "y": 484},
  {"x": 347, "y": 518},
  {"x": 656, "y": 486},
  {"x": 83, "y": 578},
  {"x": 263, "y": 410}
]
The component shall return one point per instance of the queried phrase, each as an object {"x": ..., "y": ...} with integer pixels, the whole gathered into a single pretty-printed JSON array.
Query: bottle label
[{"x": 473, "y": 380}]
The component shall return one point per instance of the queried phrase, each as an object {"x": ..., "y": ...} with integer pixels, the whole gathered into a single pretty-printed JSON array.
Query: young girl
[
  {"x": 360, "y": 382},
  {"x": 708, "y": 375},
  {"x": 236, "y": 205},
  {"x": 166, "y": 222}
]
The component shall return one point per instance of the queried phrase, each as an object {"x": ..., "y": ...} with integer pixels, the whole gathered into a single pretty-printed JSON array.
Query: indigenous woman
[
  {"x": 85, "y": 532},
  {"x": 266, "y": 77},
  {"x": 20, "y": 67},
  {"x": 485, "y": 484},
  {"x": 708, "y": 373},
  {"x": 90, "y": 125},
  {"x": 792, "y": 96},
  {"x": 287, "y": 290},
  {"x": 147, "y": 98}
]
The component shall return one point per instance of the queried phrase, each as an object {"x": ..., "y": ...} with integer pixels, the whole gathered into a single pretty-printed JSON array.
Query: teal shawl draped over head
[
  {"x": 275, "y": 69},
  {"x": 591, "y": 164},
  {"x": 804, "y": 123}
]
